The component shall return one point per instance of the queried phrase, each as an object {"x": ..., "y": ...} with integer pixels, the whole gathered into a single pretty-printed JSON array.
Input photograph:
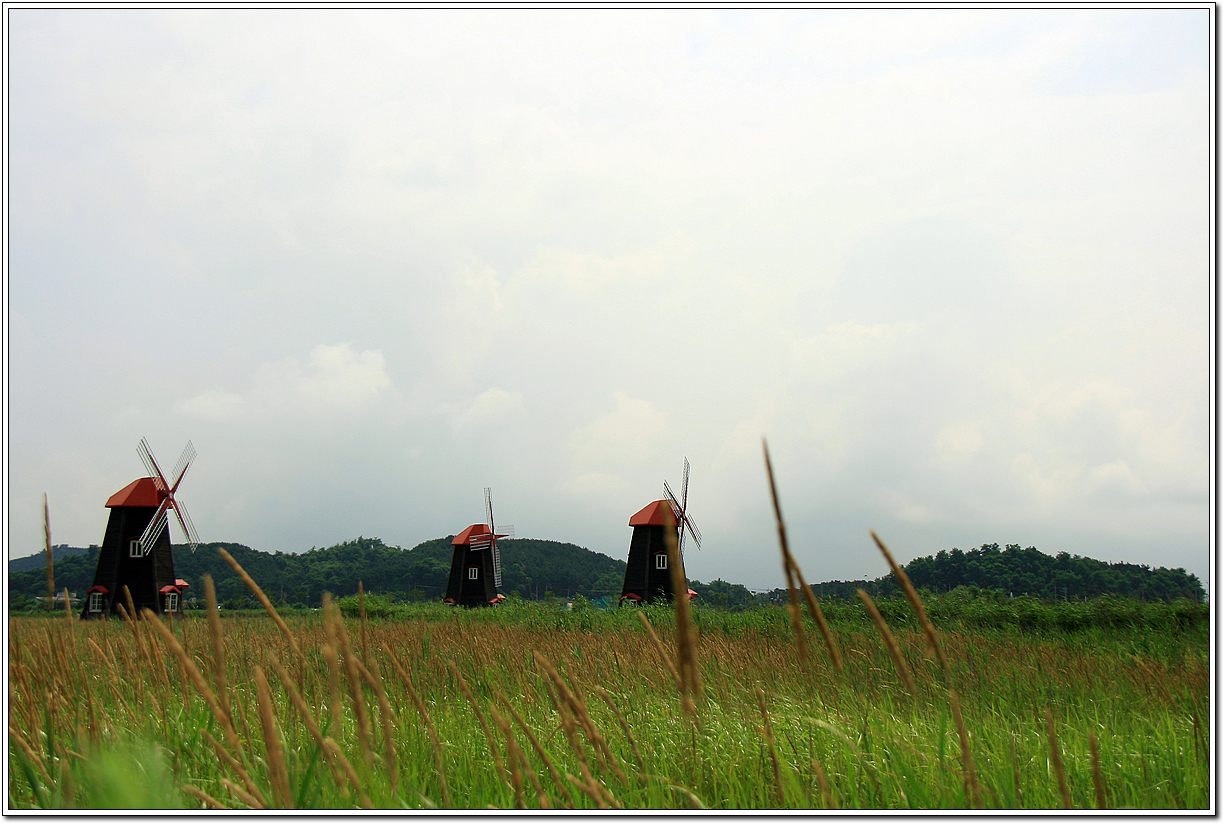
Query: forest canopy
[
  {"x": 1014, "y": 571},
  {"x": 549, "y": 570}
]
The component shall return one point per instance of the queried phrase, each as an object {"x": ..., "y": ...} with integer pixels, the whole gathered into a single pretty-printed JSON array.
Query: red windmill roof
[
  {"x": 466, "y": 536},
  {"x": 140, "y": 492},
  {"x": 655, "y": 513}
]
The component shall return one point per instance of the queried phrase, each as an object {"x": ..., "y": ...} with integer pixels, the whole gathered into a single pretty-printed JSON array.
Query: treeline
[
  {"x": 531, "y": 569},
  {"x": 1017, "y": 572},
  {"x": 538, "y": 570},
  {"x": 39, "y": 561}
]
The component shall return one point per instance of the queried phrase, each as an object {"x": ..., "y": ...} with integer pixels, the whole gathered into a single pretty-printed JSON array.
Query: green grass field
[{"x": 526, "y": 706}]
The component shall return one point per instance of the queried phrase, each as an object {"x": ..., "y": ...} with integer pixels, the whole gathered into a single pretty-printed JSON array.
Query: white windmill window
[
  {"x": 95, "y": 602},
  {"x": 134, "y": 550},
  {"x": 473, "y": 573},
  {"x": 172, "y": 602},
  {"x": 661, "y": 561}
]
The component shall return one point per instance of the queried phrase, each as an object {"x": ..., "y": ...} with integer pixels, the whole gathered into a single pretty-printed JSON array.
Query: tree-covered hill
[
  {"x": 1029, "y": 571},
  {"x": 38, "y": 560},
  {"x": 531, "y": 567},
  {"x": 537, "y": 569}
]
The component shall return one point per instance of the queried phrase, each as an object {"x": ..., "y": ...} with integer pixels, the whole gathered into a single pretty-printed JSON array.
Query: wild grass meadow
[{"x": 529, "y": 707}]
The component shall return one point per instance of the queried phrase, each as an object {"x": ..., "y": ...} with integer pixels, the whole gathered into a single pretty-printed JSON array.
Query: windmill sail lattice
[
  {"x": 680, "y": 510},
  {"x": 159, "y": 521},
  {"x": 491, "y": 540}
]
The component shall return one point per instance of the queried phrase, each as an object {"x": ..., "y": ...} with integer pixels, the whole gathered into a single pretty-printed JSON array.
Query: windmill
[
  {"x": 136, "y": 549},
  {"x": 476, "y": 562},
  {"x": 647, "y": 576}
]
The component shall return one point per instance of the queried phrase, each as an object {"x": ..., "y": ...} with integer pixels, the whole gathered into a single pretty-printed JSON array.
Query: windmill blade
[
  {"x": 693, "y": 530},
  {"x": 189, "y": 531},
  {"x": 184, "y": 461},
  {"x": 481, "y": 542},
  {"x": 154, "y": 530},
  {"x": 146, "y": 456},
  {"x": 677, "y": 510},
  {"x": 684, "y": 490},
  {"x": 677, "y": 514},
  {"x": 680, "y": 509},
  {"x": 493, "y": 536},
  {"x": 506, "y": 532}
]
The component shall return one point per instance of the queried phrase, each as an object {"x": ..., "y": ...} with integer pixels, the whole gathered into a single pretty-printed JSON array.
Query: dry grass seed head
[
  {"x": 429, "y": 727},
  {"x": 218, "y": 643},
  {"x": 263, "y": 599},
  {"x": 540, "y": 751},
  {"x": 279, "y": 773},
  {"x": 471, "y": 699},
  {"x": 1064, "y": 791},
  {"x": 890, "y": 642}
]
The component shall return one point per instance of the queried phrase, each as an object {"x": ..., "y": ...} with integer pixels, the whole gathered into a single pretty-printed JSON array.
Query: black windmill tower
[
  {"x": 476, "y": 563},
  {"x": 647, "y": 573},
  {"x": 136, "y": 551}
]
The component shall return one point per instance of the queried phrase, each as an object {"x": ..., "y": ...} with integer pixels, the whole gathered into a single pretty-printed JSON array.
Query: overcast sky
[{"x": 953, "y": 265}]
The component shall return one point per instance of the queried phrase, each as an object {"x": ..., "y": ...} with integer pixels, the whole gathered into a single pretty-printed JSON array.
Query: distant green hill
[
  {"x": 38, "y": 559},
  {"x": 537, "y": 569},
  {"x": 531, "y": 567},
  {"x": 1015, "y": 571}
]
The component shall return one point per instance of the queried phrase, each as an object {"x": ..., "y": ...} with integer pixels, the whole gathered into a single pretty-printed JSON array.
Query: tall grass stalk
[
  {"x": 1056, "y": 761},
  {"x": 272, "y": 743},
  {"x": 686, "y": 655},
  {"x": 217, "y": 637},
  {"x": 662, "y": 651},
  {"x": 972, "y": 787},
  {"x": 263, "y": 599},
  {"x": 484, "y": 726},
  {"x": 795, "y": 581},
  {"x": 427, "y": 721},
  {"x": 890, "y": 641},
  {"x": 770, "y": 744},
  {"x": 50, "y": 562},
  {"x": 361, "y": 608},
  {"x": 1098, "y": 778}
]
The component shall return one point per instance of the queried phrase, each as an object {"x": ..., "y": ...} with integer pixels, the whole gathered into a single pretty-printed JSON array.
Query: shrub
[{"x": 376, "y": 606}]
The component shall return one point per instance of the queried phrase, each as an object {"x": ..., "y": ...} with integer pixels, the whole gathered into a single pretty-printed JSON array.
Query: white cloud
[
  {"x": 599, "y": 485},
  {"x": 215, "y": 405},
  {"x": 625, "y": 438},
  {"x": 643, "y": 269},
  {"x": 339, "y": 377},
  {"x": 959, "y": 441},
  {"x": 490, "y": 406},
  {"x": 334, "y": 380},
  {"x": 1113, "y": 481}
]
